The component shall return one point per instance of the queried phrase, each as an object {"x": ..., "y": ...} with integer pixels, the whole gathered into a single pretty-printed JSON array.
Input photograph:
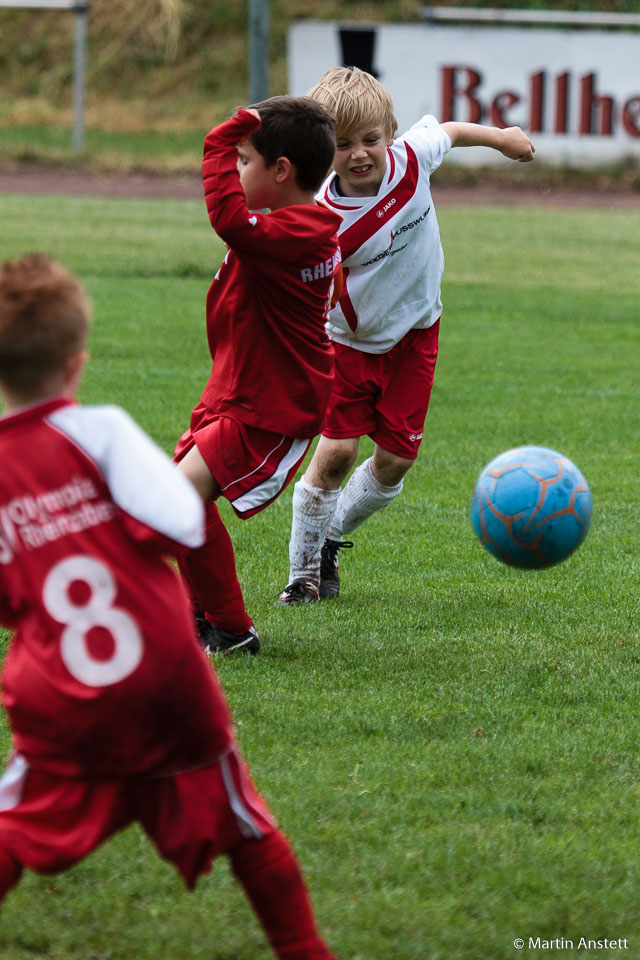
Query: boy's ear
[
  {"x": 73, "y": 369},
  {"x": 284, "y": 169}
]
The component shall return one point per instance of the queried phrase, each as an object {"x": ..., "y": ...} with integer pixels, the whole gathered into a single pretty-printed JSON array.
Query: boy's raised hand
[{"x": 517, "y": 145}]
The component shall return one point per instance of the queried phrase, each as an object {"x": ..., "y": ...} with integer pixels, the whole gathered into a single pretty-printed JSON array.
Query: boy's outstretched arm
[{"x": 511, "y": 141}]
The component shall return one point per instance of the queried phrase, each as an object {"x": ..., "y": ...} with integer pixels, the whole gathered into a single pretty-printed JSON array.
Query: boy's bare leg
[
  {"x": 271, "y": 877},
  {"x": 195, "y": 469},
  {"x": 331, "y": 462}
]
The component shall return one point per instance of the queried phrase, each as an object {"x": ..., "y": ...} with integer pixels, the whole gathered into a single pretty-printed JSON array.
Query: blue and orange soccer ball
[{"x": 531, "y": 507}]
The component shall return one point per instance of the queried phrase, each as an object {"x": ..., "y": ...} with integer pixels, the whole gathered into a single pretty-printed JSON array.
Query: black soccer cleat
[
  {"x": 216, "y": 640},
  {"x": 329, "y": 578},
  {"x": 298, "y": 592}
]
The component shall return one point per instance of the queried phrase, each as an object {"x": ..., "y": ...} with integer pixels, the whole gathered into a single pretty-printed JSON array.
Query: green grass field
[{"x": 452, "y": 745}]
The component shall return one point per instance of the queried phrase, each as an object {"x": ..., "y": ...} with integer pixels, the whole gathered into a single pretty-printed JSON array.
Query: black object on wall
[{"x": 358, "y": 48}]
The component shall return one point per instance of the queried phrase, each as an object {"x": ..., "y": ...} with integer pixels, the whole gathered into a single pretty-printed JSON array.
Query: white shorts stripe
[
  {"x": 259, "y": 467},
  {"x": 270, "y": 488},
  {"x": 248, "y": 793},
  {"x": 13, "y": 782},
  {"x": 247, "y": 825}
]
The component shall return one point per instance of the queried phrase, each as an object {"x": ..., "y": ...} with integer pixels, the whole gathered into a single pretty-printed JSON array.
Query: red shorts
[
  {"x": 48, "y": 823},
  {"x": 384, "y": 395},
  {"x": 252, "y": 467}
]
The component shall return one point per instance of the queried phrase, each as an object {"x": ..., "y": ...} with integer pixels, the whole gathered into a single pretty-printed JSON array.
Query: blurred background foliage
[{"x": 172, "y": 65}]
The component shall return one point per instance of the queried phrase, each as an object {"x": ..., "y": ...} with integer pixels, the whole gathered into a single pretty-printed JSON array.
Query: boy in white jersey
[{"x": 385, "y": 326}]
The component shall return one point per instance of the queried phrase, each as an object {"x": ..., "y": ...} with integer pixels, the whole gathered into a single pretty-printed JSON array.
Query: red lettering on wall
[
  {"x": 561, "y": 96},
  {"x": 451, "y": 92},
  {"x": 499, "y": 105},
  {"x": 631, "y": 117},
  {"x": 593, "y": 106},
  {"x": 562, "y": 103},
  {"x": 536, "y": 107}
]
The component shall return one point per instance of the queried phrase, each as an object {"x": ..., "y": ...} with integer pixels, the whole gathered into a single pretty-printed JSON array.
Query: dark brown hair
[
  {"x": 44, "y": 319},
  {"x": 299, "y": 129}
]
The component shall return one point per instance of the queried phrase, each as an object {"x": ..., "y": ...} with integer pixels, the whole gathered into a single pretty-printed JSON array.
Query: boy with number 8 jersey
[{"x": 116, "y": 713}]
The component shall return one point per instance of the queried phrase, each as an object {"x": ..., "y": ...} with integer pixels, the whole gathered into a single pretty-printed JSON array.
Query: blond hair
[
  {"x": 356, "y": 100},
  {"x": 44, "y": 319}
]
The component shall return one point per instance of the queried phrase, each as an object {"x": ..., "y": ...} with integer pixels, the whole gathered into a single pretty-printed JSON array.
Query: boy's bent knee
[
  {"x": 331, "y": 462},
  {"x": 388, "y": 468}
]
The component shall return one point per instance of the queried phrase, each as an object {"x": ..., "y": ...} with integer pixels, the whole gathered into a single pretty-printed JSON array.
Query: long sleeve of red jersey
[
  {"x": 242, "y": 229},
  {"x": 267, "y": 306}
]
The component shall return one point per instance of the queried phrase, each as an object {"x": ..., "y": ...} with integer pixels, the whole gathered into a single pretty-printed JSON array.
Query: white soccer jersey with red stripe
[
  {"x": 104, "y": 676},
  {"x": 392, "y": 257}
]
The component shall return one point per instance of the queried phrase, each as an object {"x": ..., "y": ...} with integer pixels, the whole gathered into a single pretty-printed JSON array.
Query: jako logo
[
  {"x": 415, "y": 436},
  {"x": 387, "y": 206}
]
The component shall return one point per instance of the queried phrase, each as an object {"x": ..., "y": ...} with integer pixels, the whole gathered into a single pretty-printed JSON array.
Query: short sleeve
[{"x": 430, "y": 141}]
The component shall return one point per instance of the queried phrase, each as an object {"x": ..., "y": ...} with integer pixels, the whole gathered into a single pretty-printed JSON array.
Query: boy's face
[
  {"x": 361, "y": 161},
  {"x": 255, "y": 177}
]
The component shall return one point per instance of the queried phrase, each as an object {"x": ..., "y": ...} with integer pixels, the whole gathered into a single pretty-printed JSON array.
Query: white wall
[{"x": 577, "y": 92}]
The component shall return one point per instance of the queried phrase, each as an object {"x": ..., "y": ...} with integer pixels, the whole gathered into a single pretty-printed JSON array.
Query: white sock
[
  {"x": 313, "y": 510},
  {"x": 362, "y": 496}
]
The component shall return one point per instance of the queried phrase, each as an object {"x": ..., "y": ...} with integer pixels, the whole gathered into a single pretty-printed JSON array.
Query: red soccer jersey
[
  {"x": 267, "y": 307},
  {"x": 104, "y": 676}
]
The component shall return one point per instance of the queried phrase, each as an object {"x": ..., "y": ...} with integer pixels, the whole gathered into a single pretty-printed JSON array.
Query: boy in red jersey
[
  {"x": 385, "y": 327},
  {"x": 116, "y": 714},
  {"x": 266, "y": 312}
]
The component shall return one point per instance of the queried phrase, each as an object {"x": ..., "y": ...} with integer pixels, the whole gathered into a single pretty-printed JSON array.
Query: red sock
[
  {"x": 10, "y": 872},
  {"x": 270, "y": 875},
  {"x": 210, "y": 573}
]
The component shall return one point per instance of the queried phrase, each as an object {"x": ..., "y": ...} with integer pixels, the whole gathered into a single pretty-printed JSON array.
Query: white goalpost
[{"x": 80, "y": 8}]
